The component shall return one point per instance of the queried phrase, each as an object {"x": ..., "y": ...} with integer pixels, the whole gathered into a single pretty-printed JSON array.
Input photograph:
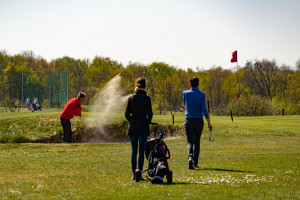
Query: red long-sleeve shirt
[{"x": 73, "y": 107}]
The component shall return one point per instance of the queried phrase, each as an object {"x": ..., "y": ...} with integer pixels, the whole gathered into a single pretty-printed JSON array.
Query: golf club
[{"x": 210, "y": 137}]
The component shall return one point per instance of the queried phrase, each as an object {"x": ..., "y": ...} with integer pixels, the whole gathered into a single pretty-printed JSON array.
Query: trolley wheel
[
  {"x": 138, "y": 175},
  {"x": 170, "y": 177}
]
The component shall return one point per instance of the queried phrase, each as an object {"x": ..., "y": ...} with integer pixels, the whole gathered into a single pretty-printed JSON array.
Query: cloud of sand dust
[{"x": 107, "y": 101}]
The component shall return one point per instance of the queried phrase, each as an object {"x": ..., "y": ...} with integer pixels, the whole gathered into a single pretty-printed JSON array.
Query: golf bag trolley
[
  {"x": 157, "y": 154},
  {"x": 35, "y": 107}
]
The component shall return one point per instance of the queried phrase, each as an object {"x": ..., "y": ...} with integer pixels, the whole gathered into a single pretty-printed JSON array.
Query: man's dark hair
[
  {"x": 194, "y": 82},
  {"x": 141, "y": 82},
  {"x": 81, "y": 95}
]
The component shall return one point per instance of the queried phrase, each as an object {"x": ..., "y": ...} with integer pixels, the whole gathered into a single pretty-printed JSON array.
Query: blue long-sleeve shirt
[{"x": 195, "y": 104}]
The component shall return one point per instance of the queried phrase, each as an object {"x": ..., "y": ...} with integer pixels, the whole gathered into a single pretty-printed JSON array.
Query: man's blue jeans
[{"x": 137, "y": 141}]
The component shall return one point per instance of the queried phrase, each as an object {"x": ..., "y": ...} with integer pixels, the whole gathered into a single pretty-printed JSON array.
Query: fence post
[
  {"x": 231, "y": 115},
  {"x": 60, "y": 87},
  {"x": 22, "y": 89},
  {"x": 173, "y": 118},
  {"x": 208, "y": 107},
  {"x": 68, "y": 86}
]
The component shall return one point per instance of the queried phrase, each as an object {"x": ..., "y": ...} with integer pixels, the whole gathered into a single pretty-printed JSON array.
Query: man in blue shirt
[{"x": 195, "y": 108}]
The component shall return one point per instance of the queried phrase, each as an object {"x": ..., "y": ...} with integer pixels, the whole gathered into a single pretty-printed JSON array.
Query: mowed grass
[{"x": 251, "y": 158}]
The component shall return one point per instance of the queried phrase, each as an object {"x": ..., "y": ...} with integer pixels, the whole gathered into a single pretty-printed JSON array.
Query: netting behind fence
[
  {"x": 59, "y": 87},
  {"x": 31, "y": 86}
]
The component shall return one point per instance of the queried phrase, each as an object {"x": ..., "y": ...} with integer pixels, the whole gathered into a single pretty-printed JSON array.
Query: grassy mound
[{"x": 27, "y": 127}]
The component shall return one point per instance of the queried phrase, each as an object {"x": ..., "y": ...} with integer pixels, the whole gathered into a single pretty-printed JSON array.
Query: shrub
[{"x": 253, "y": 106}]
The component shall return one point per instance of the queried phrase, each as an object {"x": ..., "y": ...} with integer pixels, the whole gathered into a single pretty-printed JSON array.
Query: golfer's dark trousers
[
  {"x": 67, "y": 135},
  {"x": 193, "y": 130}
]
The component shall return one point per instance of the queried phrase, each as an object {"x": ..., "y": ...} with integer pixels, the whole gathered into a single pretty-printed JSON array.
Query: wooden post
[{"x": 22, "y": 90}]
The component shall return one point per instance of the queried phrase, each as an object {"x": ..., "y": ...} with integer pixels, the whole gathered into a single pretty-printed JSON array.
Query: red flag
[
  {"x": 237, "y": 96},
  {"x": 234, "y": 57}
]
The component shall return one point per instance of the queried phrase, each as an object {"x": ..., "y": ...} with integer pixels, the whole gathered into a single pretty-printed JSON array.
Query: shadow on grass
[
  {"x": 184, "y": 183},
  {"x": 226, "y": 170},
  {"x": 174, "y": 183}
]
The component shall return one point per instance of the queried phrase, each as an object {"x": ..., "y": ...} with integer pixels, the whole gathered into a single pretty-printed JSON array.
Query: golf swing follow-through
[{"x": 73, "y": 107}]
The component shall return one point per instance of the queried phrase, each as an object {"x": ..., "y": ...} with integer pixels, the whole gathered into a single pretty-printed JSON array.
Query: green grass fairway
[{"x": 251, "y": 158}]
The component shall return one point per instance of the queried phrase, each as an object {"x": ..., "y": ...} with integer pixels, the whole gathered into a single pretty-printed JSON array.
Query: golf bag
[
  {"x": 157, "y": 154},
  {"x": 36, "y": 106}
]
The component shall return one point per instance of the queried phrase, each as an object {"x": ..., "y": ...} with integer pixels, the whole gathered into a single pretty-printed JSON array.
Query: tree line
[{"x": 264, "y": 88}]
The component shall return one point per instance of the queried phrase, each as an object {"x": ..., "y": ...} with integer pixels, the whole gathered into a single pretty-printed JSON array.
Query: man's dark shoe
[
  {"x": 191, "y": 163},
  {"x": 196, "y": 166}
]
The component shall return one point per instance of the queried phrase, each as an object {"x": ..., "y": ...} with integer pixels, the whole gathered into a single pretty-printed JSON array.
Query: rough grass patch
[{"x": 18, "y": 138}]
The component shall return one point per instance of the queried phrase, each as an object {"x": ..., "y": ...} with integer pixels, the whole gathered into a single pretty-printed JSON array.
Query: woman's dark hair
[
  {"x": 194, "y": 82},
  {"x": 141, "y": 82},
  {"x": 81, "y": 95}
]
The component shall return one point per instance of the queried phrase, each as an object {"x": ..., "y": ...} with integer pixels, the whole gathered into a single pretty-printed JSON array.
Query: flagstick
[{"x": 237, "y": 83}]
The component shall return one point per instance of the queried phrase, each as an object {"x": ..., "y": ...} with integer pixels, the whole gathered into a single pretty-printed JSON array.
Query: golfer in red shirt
[{"x": 73, "y": 107}]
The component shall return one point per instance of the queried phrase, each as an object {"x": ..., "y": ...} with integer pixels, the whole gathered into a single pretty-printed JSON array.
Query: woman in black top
[{"x": 139, "y": 114}]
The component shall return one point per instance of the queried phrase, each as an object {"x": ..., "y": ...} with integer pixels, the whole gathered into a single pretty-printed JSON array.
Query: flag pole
[
  {"x": 237, "y": 83},
  {"x": 235, "y": 59}
]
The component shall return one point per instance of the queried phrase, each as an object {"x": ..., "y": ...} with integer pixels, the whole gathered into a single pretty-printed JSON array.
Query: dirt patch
[{"x": 100, "y": 134}]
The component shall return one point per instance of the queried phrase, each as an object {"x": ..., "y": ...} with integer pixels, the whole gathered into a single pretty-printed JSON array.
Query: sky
[{"x": 181, "y": 33}]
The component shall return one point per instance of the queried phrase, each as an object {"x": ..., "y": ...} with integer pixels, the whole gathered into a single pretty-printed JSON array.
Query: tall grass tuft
[{"x": 18, "y": 138}]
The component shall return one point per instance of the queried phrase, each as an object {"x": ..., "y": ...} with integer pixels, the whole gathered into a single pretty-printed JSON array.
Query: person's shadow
[
  {"x": 183, "y": 183},
  {"x": 225, "y": 170},
  {"x": 207, "y": 169}
]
